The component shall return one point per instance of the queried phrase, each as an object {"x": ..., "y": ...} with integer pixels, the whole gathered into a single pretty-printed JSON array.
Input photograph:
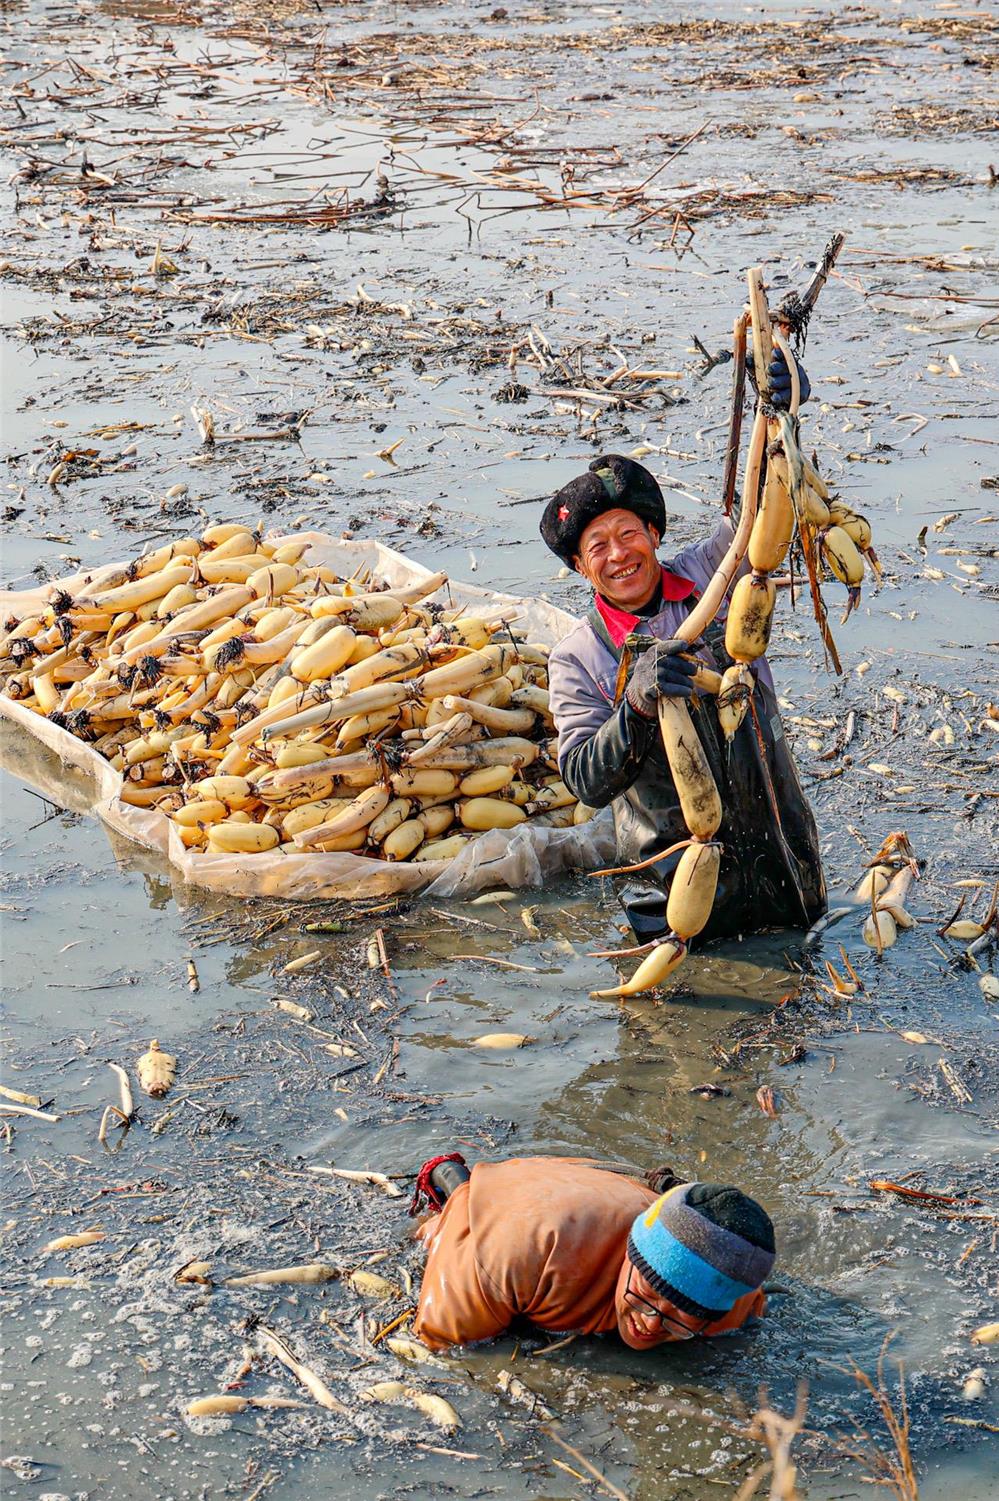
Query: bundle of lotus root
[{"x": 263, "y": 703}]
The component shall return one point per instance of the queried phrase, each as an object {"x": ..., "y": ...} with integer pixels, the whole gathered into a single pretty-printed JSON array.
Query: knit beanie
[
  {"x": 612, "y": 483},
  {"x": 703, "y": 1246}
]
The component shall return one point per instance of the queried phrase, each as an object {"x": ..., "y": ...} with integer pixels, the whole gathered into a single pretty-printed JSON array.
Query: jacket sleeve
[
  {"x": 699, "y": 561},
  {"x": 454, "y": 1309},
  {"x": 599, "y": 769},
  {"x": 601, "y": 746},
  {"x": 749, "y": 1306}
]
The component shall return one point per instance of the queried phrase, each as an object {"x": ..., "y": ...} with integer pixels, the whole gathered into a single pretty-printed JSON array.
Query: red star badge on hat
[{"x": 563, "y": 513}]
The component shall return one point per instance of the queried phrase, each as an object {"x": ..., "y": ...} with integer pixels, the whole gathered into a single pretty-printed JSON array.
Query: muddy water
[
  {"x": 117, "y": 1357},
  {"x": 893, "y": 146}
]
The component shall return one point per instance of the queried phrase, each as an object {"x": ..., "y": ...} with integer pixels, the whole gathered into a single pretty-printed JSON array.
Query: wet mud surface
[{"x": 414, "y": 262}]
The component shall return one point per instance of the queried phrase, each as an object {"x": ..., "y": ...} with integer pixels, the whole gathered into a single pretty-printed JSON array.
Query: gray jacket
[
  {"x": 582, "y": 671},
  {"x": 771, "y": 874}
]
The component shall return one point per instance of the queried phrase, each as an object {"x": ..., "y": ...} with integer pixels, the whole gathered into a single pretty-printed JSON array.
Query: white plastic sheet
[{"x": 528, "y": 855}]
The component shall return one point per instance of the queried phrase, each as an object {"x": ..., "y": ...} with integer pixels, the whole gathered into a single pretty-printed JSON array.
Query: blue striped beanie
[{"x": 703, "y": 1246}]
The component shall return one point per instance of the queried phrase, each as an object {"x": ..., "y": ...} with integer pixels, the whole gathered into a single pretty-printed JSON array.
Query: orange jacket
[{"x": 541, "y": 1238}]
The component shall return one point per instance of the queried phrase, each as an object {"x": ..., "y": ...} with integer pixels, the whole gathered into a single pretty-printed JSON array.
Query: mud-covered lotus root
[{"x": 750, "y": 618}]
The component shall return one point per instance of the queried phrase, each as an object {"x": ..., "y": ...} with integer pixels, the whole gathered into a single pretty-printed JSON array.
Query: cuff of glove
[{"x": 639, "y": 706}]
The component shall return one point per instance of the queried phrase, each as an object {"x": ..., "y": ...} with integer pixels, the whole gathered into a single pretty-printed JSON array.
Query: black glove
[
  {"x": 660, "y": 673},
  {"x": 780, "y": 381},
  {"x": 661, "y": 1179}
]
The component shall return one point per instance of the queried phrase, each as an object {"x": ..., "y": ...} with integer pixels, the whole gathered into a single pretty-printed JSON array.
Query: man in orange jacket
[{"x": 571, "y": 1246}]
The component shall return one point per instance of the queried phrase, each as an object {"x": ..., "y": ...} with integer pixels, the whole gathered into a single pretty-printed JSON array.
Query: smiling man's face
[
  {"x": 644, "y": 1317},
  {"x": 617, "y": 554}
]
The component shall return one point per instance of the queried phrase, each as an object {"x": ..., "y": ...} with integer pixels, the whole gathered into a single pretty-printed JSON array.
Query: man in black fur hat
[{"x": 609, "y": 524}]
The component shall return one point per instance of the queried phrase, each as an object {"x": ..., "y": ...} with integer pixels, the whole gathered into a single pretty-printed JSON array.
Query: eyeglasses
[{"x": 666, "y": 1321}]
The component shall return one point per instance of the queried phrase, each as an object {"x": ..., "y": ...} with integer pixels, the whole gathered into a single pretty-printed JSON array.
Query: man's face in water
[
  {"x": 645, "y": 1318},
  {"x": 617, "y": 554}
]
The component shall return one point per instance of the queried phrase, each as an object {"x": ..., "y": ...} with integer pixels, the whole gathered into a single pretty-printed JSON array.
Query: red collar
[{"x": 620, "y": 624}]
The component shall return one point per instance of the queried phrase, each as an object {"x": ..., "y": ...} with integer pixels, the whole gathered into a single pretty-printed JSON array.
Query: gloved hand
[
  {"x": 659, "y": 673},
  {"x": 662, "y": 1179},
  {"x": 780, "y": 381}
]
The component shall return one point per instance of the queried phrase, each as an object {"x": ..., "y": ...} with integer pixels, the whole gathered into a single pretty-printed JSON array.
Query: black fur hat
[{"x": 611, "y": 483}]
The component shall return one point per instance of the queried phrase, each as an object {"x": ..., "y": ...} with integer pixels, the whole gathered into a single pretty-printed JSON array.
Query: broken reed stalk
[
  {"x": 581, "y": 1459},
  {"x": 819, "y": 608},
  {"x": 735, "y": 420},
  {"x": 39, "y": 1115},
  {"x": 778, "y": 1433},
  {"x": 893, "y": 1468},
  {"x": 821, "y": 276},
  {"x": 762, "y": 335},
  {"x": 559, "y": 1344},
  {"x": 765, "y": 1426},
  {"x": 629, "y": 196}
]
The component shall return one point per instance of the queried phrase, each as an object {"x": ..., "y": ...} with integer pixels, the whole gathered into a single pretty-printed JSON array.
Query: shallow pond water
[{"x": 893, "y": 147}]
